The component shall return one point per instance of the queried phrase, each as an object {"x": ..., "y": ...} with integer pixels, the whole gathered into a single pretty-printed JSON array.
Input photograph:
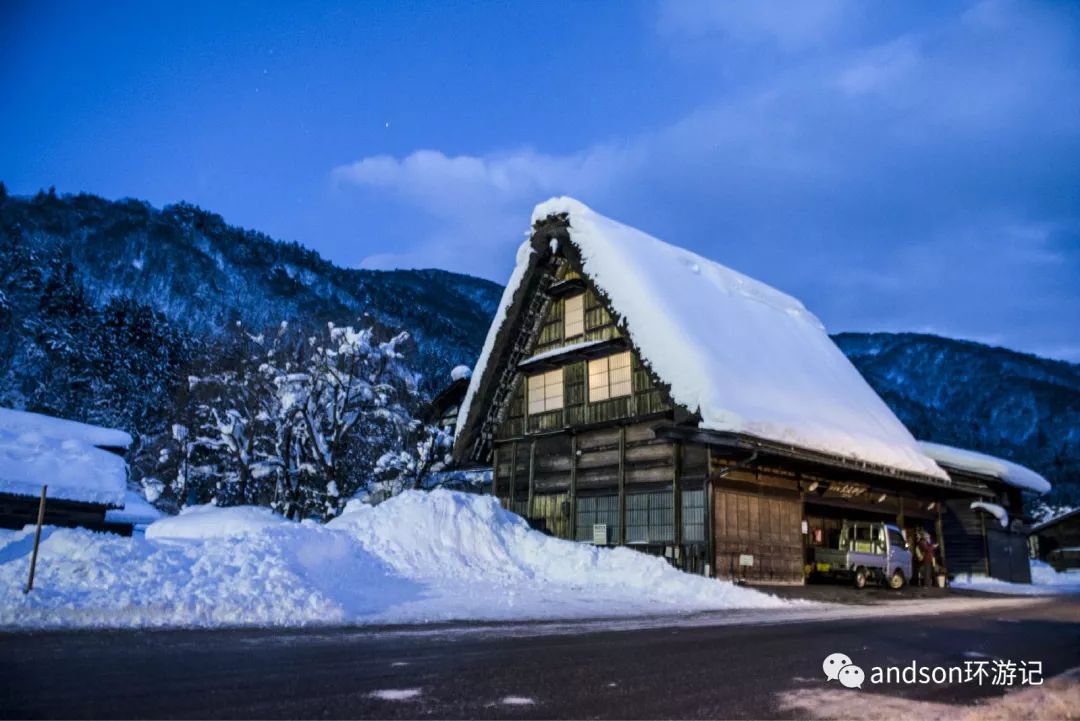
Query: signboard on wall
[
  {"x": 746, "y": 559},
  {"x": 599, "y": 534}
]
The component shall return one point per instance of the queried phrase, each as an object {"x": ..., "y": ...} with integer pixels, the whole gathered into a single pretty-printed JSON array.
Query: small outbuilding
[
  {"x": 82, "y": 465},
  {"x": 1057, "y": 541},
  {"x": 987, "y": 535}
]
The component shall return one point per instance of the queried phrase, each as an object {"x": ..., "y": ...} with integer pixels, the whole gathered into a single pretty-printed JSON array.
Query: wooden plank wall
[{"x": 965, "y": 538}]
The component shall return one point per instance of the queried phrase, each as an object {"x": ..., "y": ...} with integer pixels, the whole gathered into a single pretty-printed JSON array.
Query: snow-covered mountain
[
  {"x": 202, "y": 274},
  {"x": 172, "y": 279},
  {"x": 1013, "y": 405}
]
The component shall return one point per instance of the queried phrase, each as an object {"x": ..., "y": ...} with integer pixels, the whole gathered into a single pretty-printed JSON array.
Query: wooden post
[
  {"x": 710, "y": 533},
  {"x": 513, "y": 477},
  {"x": 676, "y": 494},
  {"x": 940, "y": 527},
  {"x": 573, "y": 487},
  {"x": 532, "y": 479},
  {"x": 495, "y": 471},
  {"x": 621, "y": 540},
  {"x": 37, "y": 540}
]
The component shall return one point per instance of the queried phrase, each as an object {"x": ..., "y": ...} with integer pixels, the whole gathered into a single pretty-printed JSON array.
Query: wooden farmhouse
[
  {"x": 1057, "y": 541},
  {"x": 82, "y": 466},
  {"x": 630, "y": 392},
  {"x": 987, "y": 536}
]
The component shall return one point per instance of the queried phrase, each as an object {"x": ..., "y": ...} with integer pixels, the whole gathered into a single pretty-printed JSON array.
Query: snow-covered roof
[
  {"x": 73, "y": 470},
  {"x": 748, "y": 358},
  {"x": 974, "y": 462},
  {"x": 60, "y": 428},
  {"x": 136, "y": 511}
]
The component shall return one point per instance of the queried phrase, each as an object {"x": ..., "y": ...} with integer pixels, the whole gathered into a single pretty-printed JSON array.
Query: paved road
[{"x": 689, "y": 671}]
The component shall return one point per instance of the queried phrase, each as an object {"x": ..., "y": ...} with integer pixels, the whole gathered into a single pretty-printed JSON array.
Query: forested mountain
[
  {"x": 1014, "y": 405},
  {"x": 107, "y": 308}
]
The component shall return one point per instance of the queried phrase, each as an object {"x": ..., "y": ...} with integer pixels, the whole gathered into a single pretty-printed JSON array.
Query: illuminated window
[
  {"x": 574, "y": 316},
  {"x": 546, "y": 392},
  {"x": 609, "y": 377}
]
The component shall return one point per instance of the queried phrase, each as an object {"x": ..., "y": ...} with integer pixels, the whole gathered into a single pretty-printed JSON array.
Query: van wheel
[
  {"x": 860, "y": 577},
  {"x": 897, "y": 580}
]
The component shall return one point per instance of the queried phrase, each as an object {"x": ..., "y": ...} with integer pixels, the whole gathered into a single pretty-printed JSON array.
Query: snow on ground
[
  {"x": 766, "y": 367},
  {"x": 416, "y": 558},
  {"x": 1045, "y": 581},
  {"x": 209, "y": 521}
]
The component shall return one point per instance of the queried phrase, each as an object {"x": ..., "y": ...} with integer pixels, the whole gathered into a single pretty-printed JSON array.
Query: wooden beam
[
  {"x": 573, "y": 487},
  {"x": 622, "y": 486},
  {"x": 495, "y": 471},
  {"x": 676, "y": 492},
  {"x": 710, "y": 532},
  {"x": 513, "y": 476},
  {"x": 940, "y": 528},
  {"x": 532, "y": 479}
]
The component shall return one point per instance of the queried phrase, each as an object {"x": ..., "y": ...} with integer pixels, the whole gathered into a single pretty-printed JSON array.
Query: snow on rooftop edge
[
  {"x": 974, "y": 462},
  {"x": 61, "y": 428},
  {"x": 72, "y": 469},
  {"x": 791, "y": 384}
]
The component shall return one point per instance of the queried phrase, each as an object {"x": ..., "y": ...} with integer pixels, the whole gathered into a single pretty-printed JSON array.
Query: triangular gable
[{"x": 745, "y": 357}]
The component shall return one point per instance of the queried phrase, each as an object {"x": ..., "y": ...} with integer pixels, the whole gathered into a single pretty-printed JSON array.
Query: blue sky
[{"x": 904, "y": 166}]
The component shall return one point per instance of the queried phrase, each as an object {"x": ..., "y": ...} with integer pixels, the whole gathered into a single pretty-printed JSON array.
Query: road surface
[{"x": 689, "y": 670}]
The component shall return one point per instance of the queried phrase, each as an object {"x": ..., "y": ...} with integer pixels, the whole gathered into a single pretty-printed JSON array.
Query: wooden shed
[
  {"x": 634, "y": 393},
  {"x": 82, "y": 465},
  {"x": 1057, "y": 541}
]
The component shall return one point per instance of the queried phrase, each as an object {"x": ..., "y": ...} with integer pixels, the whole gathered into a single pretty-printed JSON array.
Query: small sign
[
  {"x": 599, "y": 534},
  {"x": 746, "y": 559},
  {"x": 805, "y": 527}
]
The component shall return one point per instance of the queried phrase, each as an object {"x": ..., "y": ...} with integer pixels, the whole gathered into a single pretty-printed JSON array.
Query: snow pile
[
  {"x": 210, "y": 521},
  {"x": 415, "y": 558},
  {"x": 60, "y": 428},
  {"x": 973, "y": 462},
  {"x": 73, "y": 470},
  {"x": 460, "y": 372},
  {"x": 1045, "y": 581},
  {"x": 760, "y": 364},
  {"x": 487, "y": 563},
  {"x": 136, "y": 511},
  {"x": 994, "y": 510}
]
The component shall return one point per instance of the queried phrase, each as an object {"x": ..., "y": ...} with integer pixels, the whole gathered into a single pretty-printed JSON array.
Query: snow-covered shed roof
[
  {"x": 750, "y": 359},
  {"x": 23, "y": 422},
  {"x": 974, "y": 462},
  {"x": 136, "y": 511},
  {"x": 36, "y": 449}
]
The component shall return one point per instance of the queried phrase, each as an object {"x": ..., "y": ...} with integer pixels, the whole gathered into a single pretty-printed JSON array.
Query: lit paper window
[
  {"x": 574, "y": 316},
  {"x": 546, "y": 392},
  {"x": 610, "y": 377}
]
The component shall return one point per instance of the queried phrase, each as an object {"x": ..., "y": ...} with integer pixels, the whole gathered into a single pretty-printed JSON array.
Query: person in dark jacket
[{"x": 926, "y": 549}]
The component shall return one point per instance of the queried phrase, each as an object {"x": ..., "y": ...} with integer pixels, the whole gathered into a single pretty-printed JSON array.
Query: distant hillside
[
  {"x": 202, "y": 274},
  {"x": 1014, "y": 405},
  {"x": 169, "y": 281}
]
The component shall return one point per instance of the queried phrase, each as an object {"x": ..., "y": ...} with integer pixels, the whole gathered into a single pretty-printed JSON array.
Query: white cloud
[{"x": 789, "y": 24}]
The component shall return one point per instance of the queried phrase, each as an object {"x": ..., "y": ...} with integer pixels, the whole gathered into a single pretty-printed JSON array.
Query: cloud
[{"x": 918, "y": 180}]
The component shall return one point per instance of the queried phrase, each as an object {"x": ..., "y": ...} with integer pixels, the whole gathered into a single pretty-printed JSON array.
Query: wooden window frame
[
  {"x": 608, "y": 389},
  {"x": 574, "y": 319},
  {"x": 550, "y": 401}
]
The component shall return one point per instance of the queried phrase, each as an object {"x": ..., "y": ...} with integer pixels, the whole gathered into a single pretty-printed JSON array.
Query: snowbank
[
  {"x": 62, "y": 429},
  {"x": 1045, "y": 581},
  {"x": 416, "y": 558},
  {"x": 209, "y": 521},
  {"x": 136, "y": 511},
  {"x": 1005, "y": 471},
  {"x": 764, "y": 367},
  {"x": 74, "y": 470}
]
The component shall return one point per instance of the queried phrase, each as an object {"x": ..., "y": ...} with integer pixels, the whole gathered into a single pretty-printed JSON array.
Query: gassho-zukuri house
[{"x": 630, "y": 392}]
